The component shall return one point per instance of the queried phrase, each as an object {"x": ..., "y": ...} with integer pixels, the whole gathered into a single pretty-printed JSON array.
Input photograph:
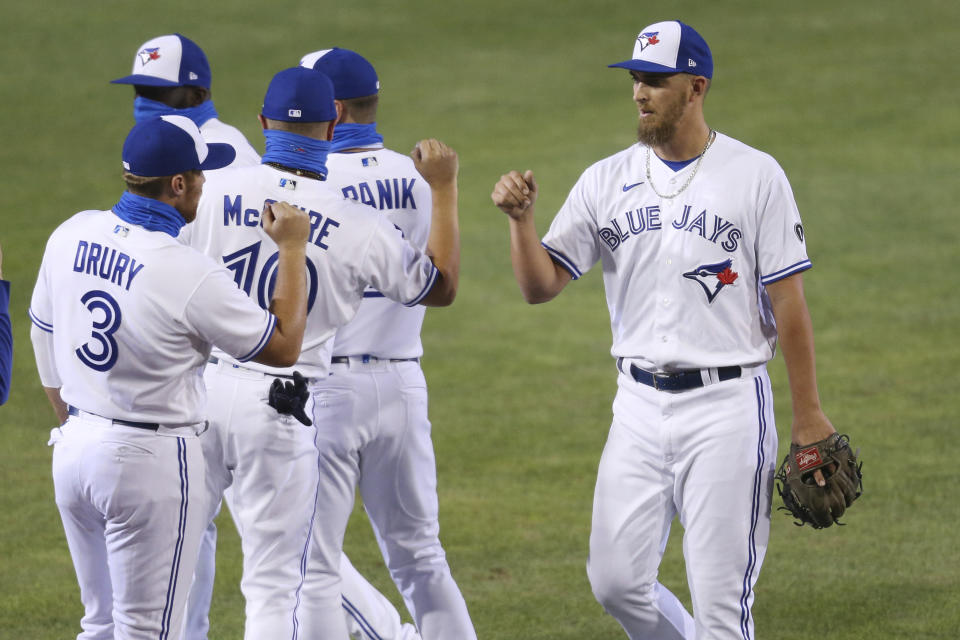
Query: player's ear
[
  {"x": 330, "y": 127},
  {"x": 341, "y": 110},
  {"x": 198, "y": 95},
  {"x": 700, "y": 85},
  {"x": 178, "y": 184},
  {"x": 263, "y": 121}
]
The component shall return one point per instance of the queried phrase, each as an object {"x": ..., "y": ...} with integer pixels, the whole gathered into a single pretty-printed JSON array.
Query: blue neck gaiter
[
  {"x": 352, "y": 136},
  {"x": 148, "y": 213},
  {"x": 144, "y": 109},
  {"x": 296, "y": 151}
]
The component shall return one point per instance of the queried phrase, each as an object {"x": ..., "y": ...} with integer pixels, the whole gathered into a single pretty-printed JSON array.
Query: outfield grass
[{"x": 857, "y": 100}]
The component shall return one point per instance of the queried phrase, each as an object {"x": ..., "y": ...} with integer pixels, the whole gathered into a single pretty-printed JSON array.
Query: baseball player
[
  {"x": 702, "y": 250},
  {"x": 268, "y": 458},
  {"x": 371, "y": 413},
  {"x": 6, "y": 337},
  {"x": 174, "y": 72},
  {"x": 171, "y": 76},
  {"x": 124, "y": 317}
]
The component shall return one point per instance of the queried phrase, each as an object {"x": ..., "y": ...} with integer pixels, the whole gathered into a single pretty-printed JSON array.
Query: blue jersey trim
[
  {"x": 563, "y": 261},
  {"x": 789, "y": 271},
  {"x": 373, "y": 294},
  {"x": 432, "y": 280},
  {"x": 264, "y": 339},
  {"x": 46, "y": 326}
]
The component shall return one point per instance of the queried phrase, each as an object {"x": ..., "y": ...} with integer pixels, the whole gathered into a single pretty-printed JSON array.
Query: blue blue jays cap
[
  {"x": 169, "y": 145},
  {"x": 299, "y": 94},
  {"x": 670, "y": 47},
  {"x": 352, "y": 75},
  {"x": 169, "y": 61}
]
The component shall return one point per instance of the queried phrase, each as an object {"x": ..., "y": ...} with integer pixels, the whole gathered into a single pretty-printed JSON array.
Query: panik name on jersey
[
  {"x": 391, "y": 193},
  {"x": 637, "y": 221},
  {"x": 95, "y": 259},
  {"x": 235, "y": 215}
]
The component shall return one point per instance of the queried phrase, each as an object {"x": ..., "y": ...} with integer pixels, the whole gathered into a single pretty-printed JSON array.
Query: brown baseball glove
[{"x": 802, "y": 497}]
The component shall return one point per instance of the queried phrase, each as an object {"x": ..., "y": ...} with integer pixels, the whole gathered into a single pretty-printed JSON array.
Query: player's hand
[
  {"x": 810, "y": 428},
  {"x": 436, "y": 162},
  {"x": 515, "y": 194},
  {"x": 287, "y": 225}
]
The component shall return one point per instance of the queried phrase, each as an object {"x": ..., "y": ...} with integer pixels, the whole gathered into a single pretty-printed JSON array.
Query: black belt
[
  {"x": 216, "y": 360},
  {"x": 368, "y": 358},
  {"x": 681, "y": 380},
  {"x": 126, "y": 423}
]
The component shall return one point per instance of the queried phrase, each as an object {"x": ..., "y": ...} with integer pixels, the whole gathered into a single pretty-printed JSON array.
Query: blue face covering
[
  {"x": 296, "y": 151},
  {"x": 144, "y": 109},
  {"x": 353, "y": 136},
  {"x": 148, "y": 213}
]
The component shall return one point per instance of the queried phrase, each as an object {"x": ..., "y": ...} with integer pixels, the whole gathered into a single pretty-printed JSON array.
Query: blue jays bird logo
[
  {"x": 648, "y": 38},
  {"x": 713, "y": 277},
  {"x": 148, "y": 54}
]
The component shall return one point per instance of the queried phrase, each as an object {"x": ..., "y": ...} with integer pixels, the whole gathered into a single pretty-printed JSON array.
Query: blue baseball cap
[
  {"x": 169, "y": 61},
  {"x": 299, "y": 94},
  {"x": 352, "y": 75},
  {"x": 169, "y": 145},
  {"x": 670, "y": 47}
]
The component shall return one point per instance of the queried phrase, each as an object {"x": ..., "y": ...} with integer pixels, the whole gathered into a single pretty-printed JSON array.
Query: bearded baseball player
[
  {"x": 371, "y": 412},
  {"x": 124, "y": 317},
  {"x": 702, "y": 251},
  {"x": 261, "y": 440}
]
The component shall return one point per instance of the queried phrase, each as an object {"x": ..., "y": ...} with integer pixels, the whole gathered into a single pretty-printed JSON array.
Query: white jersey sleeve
[
  {"x": 572, "y": 239},
  {"x": 214, "y": 130},
  {"x": 396, "y": 268},
  {"x": 781, "y": 243}
]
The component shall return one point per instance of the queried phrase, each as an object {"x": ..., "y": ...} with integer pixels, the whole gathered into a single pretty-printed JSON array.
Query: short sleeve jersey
[
  {"x": 388, "y": 183},
  {"x": 213, "y": 130},
  {"x": 684, "y": 276},
  {"x": 133, "y": 315},
  {"x": 351, "y": 248}
]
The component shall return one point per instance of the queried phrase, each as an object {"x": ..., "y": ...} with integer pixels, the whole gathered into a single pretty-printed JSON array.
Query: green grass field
[{"x": 857, "y": 100}]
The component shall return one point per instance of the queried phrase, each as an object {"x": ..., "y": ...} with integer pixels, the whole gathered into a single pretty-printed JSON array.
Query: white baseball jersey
[
  {"x": 133, "y": 315},
  {"x": 388, "y": 182},
  {"x": 684, "y": 276},
  {"x": 213, "y": 130},
  {"x": 349, "y": 249}
]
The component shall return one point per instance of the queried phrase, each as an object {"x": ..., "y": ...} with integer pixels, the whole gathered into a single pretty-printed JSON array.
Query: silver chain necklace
[{"x": 710, "y": 138}]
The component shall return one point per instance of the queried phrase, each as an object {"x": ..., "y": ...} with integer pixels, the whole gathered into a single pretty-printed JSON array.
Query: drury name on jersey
[
  {"x": 235, "y": 215},
  {"x": 637, "y": 221},
  {"x": 95, "y": 259}
]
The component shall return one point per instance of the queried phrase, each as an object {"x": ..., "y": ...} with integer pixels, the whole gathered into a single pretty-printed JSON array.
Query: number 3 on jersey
[
  {"x": 244, "y": 264},
  {"x": 103, "y": 358}
]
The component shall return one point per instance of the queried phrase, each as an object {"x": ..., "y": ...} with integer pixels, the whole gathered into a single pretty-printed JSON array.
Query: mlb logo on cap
[
  {"x": 352, "y": 75},
  {"x": 169, "y": 145},
  {"x": 670, "y": 47},
  {"x": 169, "y": 61}
]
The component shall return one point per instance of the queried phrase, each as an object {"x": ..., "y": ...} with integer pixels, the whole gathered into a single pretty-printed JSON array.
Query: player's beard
[{"x": 659, "y": 129}]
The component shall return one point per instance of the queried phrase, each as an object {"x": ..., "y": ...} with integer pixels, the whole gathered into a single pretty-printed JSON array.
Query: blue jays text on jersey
[
  {"x": 234, "y": 214},
  {"x": 637, "y": 221},
  {"x": 389, "y": 193},
  {"x": 106, "y": 262}
]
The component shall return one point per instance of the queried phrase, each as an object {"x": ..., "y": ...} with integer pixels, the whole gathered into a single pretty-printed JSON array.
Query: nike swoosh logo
[{"x": 627, "y": 187}]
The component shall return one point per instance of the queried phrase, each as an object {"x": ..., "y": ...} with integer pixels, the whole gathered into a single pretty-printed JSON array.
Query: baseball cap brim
[
  {"x": 219, "y": 155},
  {"x": 643, "y": 65},
  {"x": 147, "y": 81}
]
